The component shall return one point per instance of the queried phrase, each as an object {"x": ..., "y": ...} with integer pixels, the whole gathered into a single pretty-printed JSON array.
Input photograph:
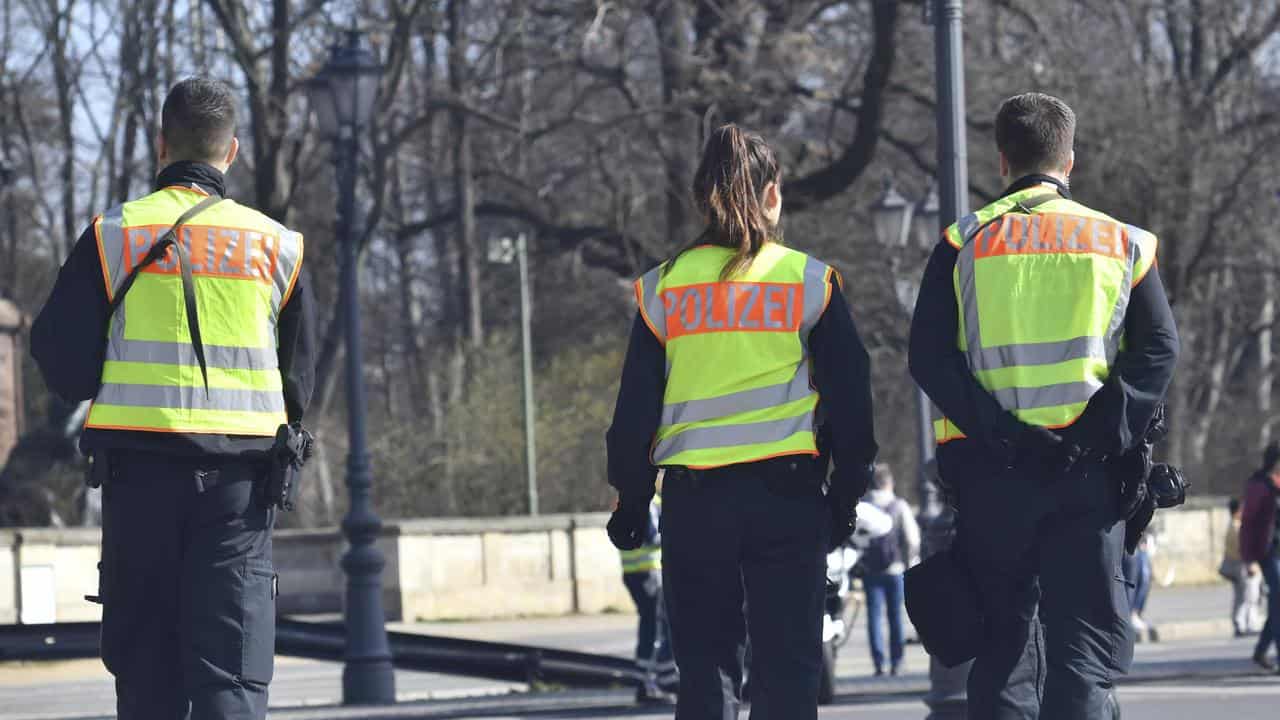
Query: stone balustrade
[{"x": 466, "y": 568}]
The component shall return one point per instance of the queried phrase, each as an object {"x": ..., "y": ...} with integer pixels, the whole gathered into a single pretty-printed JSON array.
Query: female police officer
[{"x": 744, "y": 374}]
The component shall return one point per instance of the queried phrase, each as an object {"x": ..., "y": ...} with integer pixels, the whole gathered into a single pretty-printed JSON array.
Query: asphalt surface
[{"x": 1178, "y": 678}]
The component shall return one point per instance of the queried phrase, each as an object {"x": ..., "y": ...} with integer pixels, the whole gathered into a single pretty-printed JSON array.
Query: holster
[{"x": 289, "y": 453}]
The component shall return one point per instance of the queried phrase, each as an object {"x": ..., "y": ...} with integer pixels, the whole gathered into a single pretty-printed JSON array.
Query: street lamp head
[
  {"x": 502, "y": 250},
  {"x": 891, "y": 215},
  {"x": 342, "y": 93},
  {"x": 927, "y": 214}
]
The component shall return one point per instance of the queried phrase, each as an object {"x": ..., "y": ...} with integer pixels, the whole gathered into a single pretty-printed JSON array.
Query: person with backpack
[{"x": 886, "y": 558}]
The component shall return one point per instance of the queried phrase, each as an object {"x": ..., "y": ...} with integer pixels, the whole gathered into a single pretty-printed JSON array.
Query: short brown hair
[
  {"x": 198, "y": 120},
  {"x": 1035, "y": 132}
]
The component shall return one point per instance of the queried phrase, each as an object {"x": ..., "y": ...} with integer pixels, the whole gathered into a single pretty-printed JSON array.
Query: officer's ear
[
  {"x": 232, "y": 152},
  {"x": 1004, "y": 166},
  {"x": 162, "y": 152},
  {"x": 1071, "y": 164}
]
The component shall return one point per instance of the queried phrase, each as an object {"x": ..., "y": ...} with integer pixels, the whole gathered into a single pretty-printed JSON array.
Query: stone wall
[
  {"x": 436, "y": 570},
  {"x": 474, "y": 568},
  {"x": 10, "y": 379}
]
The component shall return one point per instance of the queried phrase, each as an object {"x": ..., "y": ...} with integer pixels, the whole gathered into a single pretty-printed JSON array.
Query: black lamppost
[
  {"x": 947, "y": 698},
  {"x": 910, "y": 230},
  {"x": 342, "y": 95}
]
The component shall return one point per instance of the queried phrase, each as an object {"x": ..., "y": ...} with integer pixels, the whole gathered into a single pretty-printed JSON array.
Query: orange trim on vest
[
  {"x": 297, "y": 270},
  {"x": 761, "y": 459},
  {"x": 102, "y": 258}
]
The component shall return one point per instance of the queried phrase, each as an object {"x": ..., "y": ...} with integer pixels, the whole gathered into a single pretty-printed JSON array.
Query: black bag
[{"x": 942, "y": 603}]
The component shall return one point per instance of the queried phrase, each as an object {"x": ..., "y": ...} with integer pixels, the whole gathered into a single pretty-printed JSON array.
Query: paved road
[{"x": 1213, "y": 676}]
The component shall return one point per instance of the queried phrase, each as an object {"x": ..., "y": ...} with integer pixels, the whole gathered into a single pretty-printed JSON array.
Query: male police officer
[
  {"x": 1045, "y": 340},
  {"x": 187, "y": 401}
]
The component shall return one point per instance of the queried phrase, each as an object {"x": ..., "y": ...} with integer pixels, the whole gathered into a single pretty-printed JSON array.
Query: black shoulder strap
[
  {"x": 157, "y": 251},
  {"x": 1022, "y": 206}
]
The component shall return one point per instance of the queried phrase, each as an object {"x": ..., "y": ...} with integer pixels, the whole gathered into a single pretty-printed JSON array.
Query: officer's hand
[
  {"x": 629, "y": 524},
  {"x": 843, "y": 523},
  {"x": 1130, "y": 471},
  {"x": 1040, "y": 445},
  {"x": 1136, "y": 525}
]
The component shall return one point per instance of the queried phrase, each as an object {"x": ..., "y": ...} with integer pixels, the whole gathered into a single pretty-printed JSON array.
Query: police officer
[
  {"x": 642, "y": 574},
  {"x": 1044, "y": 338},
  {"x": 187, "y": 582},
  {"x": 740, "y": 347}
]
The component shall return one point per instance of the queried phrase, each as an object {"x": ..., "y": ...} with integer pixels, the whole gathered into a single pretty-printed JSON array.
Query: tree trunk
[
  {"x": 680, "y": 127},
  {"x": 1266, "y": 319},
  {"x": 464, "y": 179},
  {"x": 64, "y": 88},
  {"x": 1216, "y": 375}
]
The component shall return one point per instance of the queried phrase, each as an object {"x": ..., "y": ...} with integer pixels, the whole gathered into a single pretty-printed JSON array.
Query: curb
[{"x": 1191, "y": 630}]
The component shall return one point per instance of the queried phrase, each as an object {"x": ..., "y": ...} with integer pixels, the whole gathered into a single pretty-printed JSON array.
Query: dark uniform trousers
[
  {"x": 753, "y": 534},
  {"x": 188, "y": 588},
  {"x": 1045, "y": 553}
]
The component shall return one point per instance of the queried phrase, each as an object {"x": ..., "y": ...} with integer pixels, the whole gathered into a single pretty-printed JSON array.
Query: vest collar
[
  {"x": 196, "y": 175},
  {"x": 1027, "y": 182}
]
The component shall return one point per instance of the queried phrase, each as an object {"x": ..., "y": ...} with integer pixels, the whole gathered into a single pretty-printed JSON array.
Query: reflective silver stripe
[
  {"x": 217, "y": 356},
  {"x": 1115, "y": 329},
  {"x": 111, "y": 236},
  {"x": 935, "y": 413},
  {"x": 815, "y": 296},
  {"x": 288, "y": 258},
  {"x": 706, "y": 438},
  {"x": 1045, "y": 353},
  {"x": 651, "y": 301},
  {"x": 967, "y": 225},
  {"x": 1045, "y": 396},
  {"x": 745, "y": 401},
  {"x": 969, "y": 304},
  {"x": 191, "y": 398}
]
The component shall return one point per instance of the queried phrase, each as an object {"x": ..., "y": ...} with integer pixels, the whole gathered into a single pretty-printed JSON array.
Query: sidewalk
[{"x": 1186, "y": 613}]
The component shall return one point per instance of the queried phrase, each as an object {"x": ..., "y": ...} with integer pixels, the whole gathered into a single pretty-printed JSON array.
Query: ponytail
[{"x": 728, "y": 189}]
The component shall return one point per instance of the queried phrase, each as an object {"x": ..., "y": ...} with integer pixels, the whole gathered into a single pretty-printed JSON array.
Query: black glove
[
  {"x": 842, "y": 501},
  {"x": 1131, "y": 471},
  {"x": 1136, "y": 525},
  {"x": 629, "y": 523},
  {"x": 1035, "y": 445}
]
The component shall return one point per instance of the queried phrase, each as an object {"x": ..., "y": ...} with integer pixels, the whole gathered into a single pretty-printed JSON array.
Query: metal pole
[
  {"x": 367, "y": 676},
  {"x": 924, "y": 449},
  {"x": 526, "y": 352},
  {"x": 946, "y": 698}
]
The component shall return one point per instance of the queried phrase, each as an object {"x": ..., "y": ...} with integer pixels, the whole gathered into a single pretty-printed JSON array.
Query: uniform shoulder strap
[
  {"x": 1022, "y": 206},
  {"x": 157, "y": 251}
]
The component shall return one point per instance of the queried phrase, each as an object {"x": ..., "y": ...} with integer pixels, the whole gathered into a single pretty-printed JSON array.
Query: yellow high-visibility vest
[
  {"x": 645, "y": 558},
  {"x": 1042, "y": 293},
  {"x": 245, "y": 266},
  {"x": 738, "y": 379}
]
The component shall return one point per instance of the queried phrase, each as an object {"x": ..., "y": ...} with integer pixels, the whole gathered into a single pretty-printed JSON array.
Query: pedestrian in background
[
  {"x": 883, "y": 562},
  {"x": 1246, "y": 581},
  {"x": 642, "y": 574},
  {"x": 1138, "y": 574},
  {"x": 737, "y": 340},
  {"x": 1260, "y": 544}
]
